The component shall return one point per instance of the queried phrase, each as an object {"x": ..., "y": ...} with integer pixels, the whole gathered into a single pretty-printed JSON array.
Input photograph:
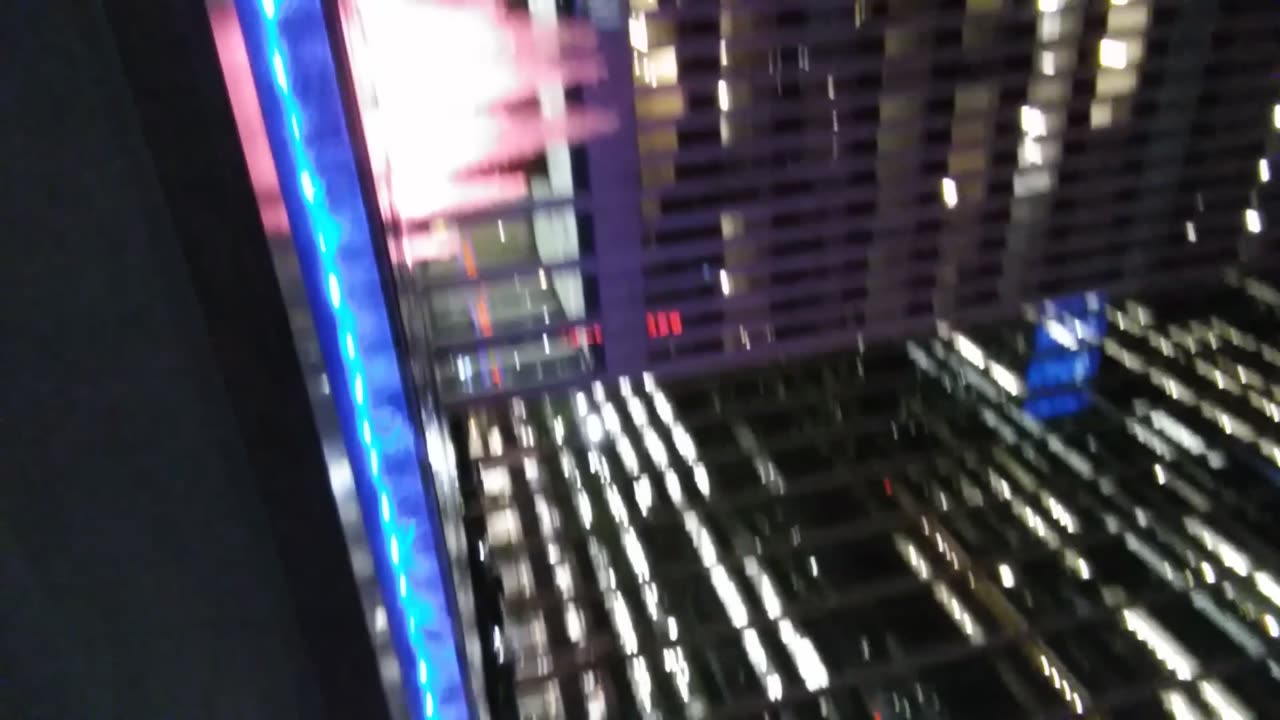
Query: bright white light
[
  {"x": 1207, "y": 570},
  {"x": 638, "y": 29},
  {"x": 277, "y": 62},
  {"x": 969, "y": 350},
  {"x": 774, "y": 686},
  {"x": 1273, "y": 627},
  {"x": 1006, "y": 576},
  {"x": 1113, "y": 53},
  {"x": 722, "y": 92},
  {"x": 595, "y": 429},
  {"x": 1160, "y": 478},
  {"x": 1005, "y": 378},
  {"x": 1275, "y": 116},
  {"x": 1048, "y": 6},
  {"x": 335, "y": 290},
  {"x": 1225, "y": 706},
  {"x": 726, "y": 283},
  {"x": 1264, "y": 170},
  {"x": 1191, "y": 231},
  {"x": 1253, "y": 221},
  {"x": 1061, "y": 335},
  {"x": 269, "y": 8},
  {"x": 1033, "y": 121},
  {"x": 950, "y": 195},
  {"x": 1268, "y": 586}
]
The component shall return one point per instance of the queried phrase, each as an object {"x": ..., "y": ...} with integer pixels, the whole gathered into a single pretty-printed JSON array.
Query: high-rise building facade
[
  {"x": 578, "y": 189},
  {"x": 1065, "y": 518},
  {"x": 511, "y": 236}
]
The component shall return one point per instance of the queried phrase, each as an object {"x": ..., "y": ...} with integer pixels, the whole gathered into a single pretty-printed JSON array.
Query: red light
[
  {"x": 677, "y": 325},
  {"x": 597, "y": 336},
  {"x": 888, "y": 487},
  {"x": 663, "y": 328},
  {"x": 653, "y": 327}
]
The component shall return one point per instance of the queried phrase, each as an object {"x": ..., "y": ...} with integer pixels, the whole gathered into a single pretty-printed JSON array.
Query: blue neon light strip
[{"x": 301, "y": 103}]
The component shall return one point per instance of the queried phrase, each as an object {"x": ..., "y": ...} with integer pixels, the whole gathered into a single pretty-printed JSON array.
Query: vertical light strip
[{"x": 299, "y": 92}]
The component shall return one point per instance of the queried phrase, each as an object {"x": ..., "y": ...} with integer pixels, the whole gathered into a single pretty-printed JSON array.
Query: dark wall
[{"x": 168, "y": 543}]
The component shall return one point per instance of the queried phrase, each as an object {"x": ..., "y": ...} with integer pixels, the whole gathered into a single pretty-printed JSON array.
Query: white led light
[
  {"x": 1273, "y": 627},
  {"x": 1191, "y": 231},
  {"x": 1033, "y": 120},
  {"x": 1113, "y": 54},
  {"x": 277, "y": 63},
  {"x": 269, "y": 9},
  {"x": 950, "y": 195},
  {"x": 1264, "y": 170},
  {"x": 1253, "y": 221},
  {"x": 308, "y": 185},
  {"x": 595, "y": 428},
  {"x": 722, "y": 93},
  {"x": 335, "y": 291},
  {"x": 1006, "y": 576},
  {"x": 726, "y": 283}
]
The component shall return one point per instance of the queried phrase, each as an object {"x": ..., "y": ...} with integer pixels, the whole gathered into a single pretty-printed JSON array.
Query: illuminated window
[
  {"x": 1100, "y": 115},
  {"x": 950, "y": 195},
  {"x": 1113, "y": 53},
  {"x": 638, "y": 29},
  {"x": 1191, "y": 231},
  {"x": 662, "y": 69},
  {"x": 664, "y": 323},
  {"x": 1050, "y": 27},
  {"x": 722, "y": 92},
  {"x": 1264, "y": 170},
  {"x": 1253, "y": 221},
  {"x": 1048, "y": 62},
  {"x": 1033, "y": 121}
]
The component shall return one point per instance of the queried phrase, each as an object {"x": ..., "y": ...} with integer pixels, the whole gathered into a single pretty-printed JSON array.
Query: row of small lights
[
  {"x": 1162, "y": 645},
  {"x": 674, "y": 661},
  {"x": 1159, "y": 641},
  {"x": 412, "y": 608}
]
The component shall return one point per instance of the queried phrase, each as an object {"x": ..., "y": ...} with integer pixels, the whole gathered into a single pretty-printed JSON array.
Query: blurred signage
[{"x": 1066, "y": 354}]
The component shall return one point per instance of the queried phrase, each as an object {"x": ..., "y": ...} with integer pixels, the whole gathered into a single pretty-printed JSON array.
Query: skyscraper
[
  {"x": 915, "y": 531},
  {"x": 545, "y": 261},
  {"x": 758, "y": 181}
]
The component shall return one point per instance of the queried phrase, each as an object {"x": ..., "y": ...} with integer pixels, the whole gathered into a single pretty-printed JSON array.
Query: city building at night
[
  {"x": 1064, "y": 517},
  {"x": 875, "y": 359}
]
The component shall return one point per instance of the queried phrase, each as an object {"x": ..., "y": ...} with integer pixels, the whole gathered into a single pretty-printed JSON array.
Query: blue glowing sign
[
  {"x": 298, "y": 88},
  {"x": 1065, "y": 355}
]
